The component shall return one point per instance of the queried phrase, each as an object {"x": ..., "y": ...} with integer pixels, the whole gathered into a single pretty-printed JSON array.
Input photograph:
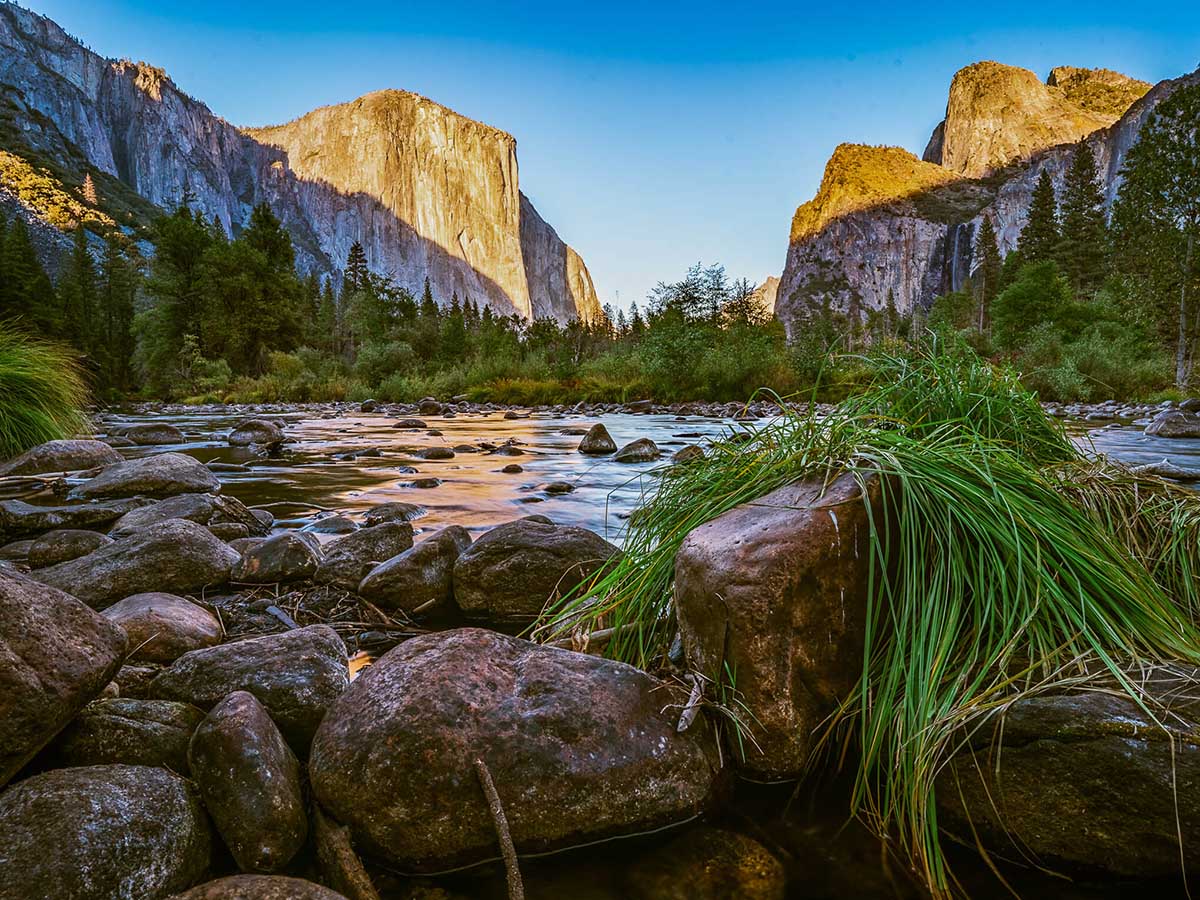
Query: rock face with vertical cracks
[
  {"x": 775, "y": 591},
  {"x": 579, "y": 748}
]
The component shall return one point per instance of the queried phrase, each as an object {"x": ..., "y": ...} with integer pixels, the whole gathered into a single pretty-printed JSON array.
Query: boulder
[
  {"x": 290, "y": 556},
  {"x": 1085, "y": 779},
  {"x": 348, "y": 559},
  {"x": 598, "y": 441},
  {"x": 250, "y": 782},
  {"x": 332, "y": 525},
  {"x": 18, "y": 517},
  {"x": 163, "y": 475},
  {"x": 259, "y": 887},
  {"x": 255, "y": 431},
  {"x": 61, "y": 456},
  {"x": 202, "y": 508},
  {"x": 112, "y": 832},
  {"x": 429, "y": 407},
  {"x": 776, "y": 591},
  {"x": 128, "y": 731},
  {"x": 56, "y": 655},
  {"x": 393, "y": 512},
  {"x": 16, "y": 551},
  {"x": 641, "y": 450},
  {"x": 514, "y": 569},
  {"x": 420, "y": 578},
  {"x": 1175, "y": 423},
  {"x": 295, "y": 675},
  {"x": 707, "y": 863},
  {"x": 64, "y": 544},
  {"x": 579, "y": 749},
  {"x": 175, "y": 556},
  {"x": 685, "y": 455},
  {"x": 152, "y": 433},
  {"x": 163, "y": 627}
]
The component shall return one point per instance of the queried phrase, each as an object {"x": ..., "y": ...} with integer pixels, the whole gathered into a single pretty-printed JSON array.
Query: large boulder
[
  {"x": 296, "y": 675},
  {"x": 1086, "y": 779},
  {"x": 641, "y": 450},
  {"x": 348, "y": 559},
  {"x": 202, "y": 508},
  {"x": 148, "y": 434},
  {"x": 176, "y": 556},
  {"x": 776, "y": 591},
  {"x": 102, "y": 833},
  {"x": 64, "y": 544},
  {"x": 250, "y": 782},
  {"x": 597, "y": 442},
  {"x": 1175, "y": 423},
  {"x": 18, "y": 517},
  {"x": 129, "y": 731},
  {"x": 513, "y": 570},
  {"x": 163, "y": 627},
  {"x": 290, "y": 556},
  {"x": 255, "y": 431},
  {"x": 61, "y": 456},
  {"x": 55, "y": 656},
  {"x": 579, "y": 748},
  {"x": 259, "y": 887},
  {"x": 421, "y": 578},
  {"x": 163, "y": 475}
]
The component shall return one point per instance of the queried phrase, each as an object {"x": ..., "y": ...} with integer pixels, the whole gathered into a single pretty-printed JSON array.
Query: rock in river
[
  {"x": 64, "y": 544},
  {"x": 776, "y": 590},
  {"x": 152, "y": 476},
  {"x": 55, "y": 656},
  {"x": 579, "y": 749},
  {"x": 175, "y": 556},
  {"x": 18, "y": 517},
  {"x": 255, "y": 431},
  {"x": 61, "y": 456},
  {"x": 641, "y": 450},
  {"x": 421, "y": 578},
  {"x": 202, "y": 508},
  {"x": 130, "y": 731},
  {"x": 163, "y": 627},
  {"x": 259, "y": 887},
  {"x": 291, "y": 556},
  {"x": 597, "y": 441},
  {"x": 295, "y": 675},
  {"x": 250, "y": 782},
  {"x": 1175, "y": 423},
  {"x": 348, "y": 559},
  {"x": 511, "y": 572},
  {"x": 112, "y": 832},
  {"x": 707, "y": 863},
  {"x": 151, "y": 433}
]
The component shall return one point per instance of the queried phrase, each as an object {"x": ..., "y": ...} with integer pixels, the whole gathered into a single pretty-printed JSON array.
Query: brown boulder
[
  {"x": 597, "y": 441},
  {"x": 55, "y": 656},
  {"x": 707, "y": 863},
  {"x": 776, "y": 591},
  {"x": 421, "y": 578},
  {"x": 163, "y": 627},
  {"x": 128, "y": 731},
  {"x": 259, "y": 887},
  {"x": 163, "y": 475},
  {"x": 291, "y": 556},
  {"x": 347, "y": 560},
  {"x": 579, "y": 748},
  {"x": 64, "y": 544},
  {"x": 61, "y": 456}
]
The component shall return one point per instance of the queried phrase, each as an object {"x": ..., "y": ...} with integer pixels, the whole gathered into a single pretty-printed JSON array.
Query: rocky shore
[{"x": 197, "y": 702}]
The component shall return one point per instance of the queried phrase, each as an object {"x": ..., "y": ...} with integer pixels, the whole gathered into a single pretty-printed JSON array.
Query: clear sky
[{"x": 650, "y": 135}]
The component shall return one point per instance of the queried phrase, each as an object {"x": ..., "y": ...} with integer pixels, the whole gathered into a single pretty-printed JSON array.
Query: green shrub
[{"x": 42, "y": 392}]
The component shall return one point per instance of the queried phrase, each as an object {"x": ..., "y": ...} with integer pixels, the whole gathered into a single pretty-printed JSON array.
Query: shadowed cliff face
[
  {"x": 884, "y": 223},
  {"x": 426, "y": 191}
]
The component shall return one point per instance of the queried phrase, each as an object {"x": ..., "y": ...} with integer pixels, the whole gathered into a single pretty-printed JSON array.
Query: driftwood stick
[{"x": 516, "y": 889}]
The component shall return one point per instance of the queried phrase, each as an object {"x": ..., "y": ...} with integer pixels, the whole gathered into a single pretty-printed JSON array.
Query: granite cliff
[
  {"x": 426, "y": 191},
  {"x": 886, "y": 226}
]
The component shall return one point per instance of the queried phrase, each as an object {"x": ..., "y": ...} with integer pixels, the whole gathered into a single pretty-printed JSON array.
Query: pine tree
[
  {"x": 89, "y": 191},
  {"x": 77, "y": 295},
  {"x": 118, "y": 285},
  {"x": 1082, "y": 246},
  {"x": 988, "y": 266},
  {"x": 327, "y": 336},
  {"x": 26, "y": 292},
  {"x": 1039, "y": 237},
  {"x": 429, "y": 308},
  {"x": 355, "y": 275}
]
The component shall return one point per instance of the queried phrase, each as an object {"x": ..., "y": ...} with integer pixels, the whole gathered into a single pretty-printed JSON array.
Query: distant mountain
[
  {"x": 426, "y": 191},
  {"x": 885, "y": 224}
]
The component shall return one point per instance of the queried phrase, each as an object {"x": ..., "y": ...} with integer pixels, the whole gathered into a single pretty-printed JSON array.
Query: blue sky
[{"x": 650, "y": 135}]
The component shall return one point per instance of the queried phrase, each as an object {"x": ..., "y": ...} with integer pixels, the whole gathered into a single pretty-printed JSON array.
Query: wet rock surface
[
  {"x": 64, "y": 544},
  {"x": 290, "y": 556},
  {"x": 250, "y": 782},
  {"x": 421, "y": 579},
  {"x": 255, "y": 431},
  {"x": 578, "y": 747},
  {"x": 127, "y": 731},
  {"x": 641, "y": 450},
  {"x": 122, "y": 832},
  {"x": 202, "y": 508},
  {"x": 19, "y": 518},
  {"x": 162, "y": 627},
  {"x": 597, "y": 441},
  {"x": 61, "y": 456},
  {"x": 708, "y": 864},
  {"x": 151, "y": 476},
  {"x": 259, "y": 887},
  {"x": 346, "y": 561}
]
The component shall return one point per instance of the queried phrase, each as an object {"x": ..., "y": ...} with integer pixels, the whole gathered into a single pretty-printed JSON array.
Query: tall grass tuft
[
  {"x": 42, "y": 392},
  {"x": 1016, "y": 565}
]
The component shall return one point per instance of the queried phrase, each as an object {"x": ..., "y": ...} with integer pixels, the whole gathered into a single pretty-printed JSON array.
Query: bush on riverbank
[
  {"x": 1015, "y": 566},
  {"x": 41, "y": 392}
]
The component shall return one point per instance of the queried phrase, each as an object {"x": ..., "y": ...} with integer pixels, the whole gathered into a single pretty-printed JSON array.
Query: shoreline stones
[
  {"x": 578, "y": 747},
  {"x": 63, "y": 545},
  {"x": 290, "y": 556},
  {"x": 255, "y": 431},
  {"x": 162, "y": 627},
  {"x": 163, "y": 475},
  {"x": 62, "y": 456},
  {"x": 420, "y": 579},
  {"x": 1175, "y": 423},
  {"x": 127, "y": 731},
  {"x": 259, "y": 887},
  {"x": 347, "y": 560}
]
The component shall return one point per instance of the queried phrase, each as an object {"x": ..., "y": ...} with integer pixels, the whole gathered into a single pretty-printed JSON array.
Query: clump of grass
[
  {"x": 1014, "y": 565},
  {"x": 42, "y": 392}
]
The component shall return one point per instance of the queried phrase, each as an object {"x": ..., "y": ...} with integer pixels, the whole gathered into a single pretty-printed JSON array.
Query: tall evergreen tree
[
  {"x": 26, "y": 292},
  {"x": 988, "y": 266},
  {"x": 355, "y": 275},
  {"x": 1083, "y": 243},
  {"x": 428, "y": 308},
  {"x": 77, "y": 295},
  {"x": 1039, "y": 237},
  {"x": 118, "y": 286}
]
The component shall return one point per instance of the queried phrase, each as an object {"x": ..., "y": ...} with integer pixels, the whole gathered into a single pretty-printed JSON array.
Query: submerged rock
[
  {"x": 776, "y": 591},
  {"x": 348, "y": 559},
  {"x": 420, "y": 578},
  {"x": 579, "y": 749},
  {"x": 163, "y": 627},
  {"x": 708, "y": 864},
  {"x": 514, "y": 569},
  {"x": 175, "y": 556},
  {"x": 61, "y": 456},
  {"x": 64, "y": 544},
  {"x": 55, "y": 656},
  {"x": 250, "y": 782},
  {"x": 641, "y": 450},
  {"x": 163, "y": 475},
  {"x": 598, "y": 441},
  {"x": 295, "y": 675},
  {"x": 130, "y": 732},
  {"x": 113, "y": 832}
]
